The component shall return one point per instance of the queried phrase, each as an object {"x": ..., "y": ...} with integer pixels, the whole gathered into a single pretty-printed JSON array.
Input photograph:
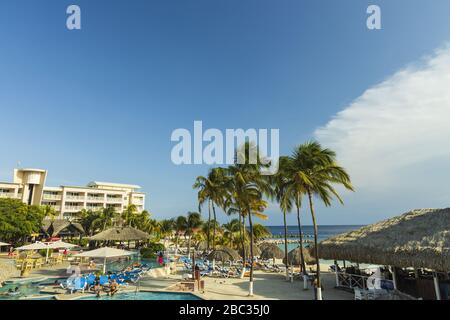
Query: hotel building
[{"x": 29, "y": 186}]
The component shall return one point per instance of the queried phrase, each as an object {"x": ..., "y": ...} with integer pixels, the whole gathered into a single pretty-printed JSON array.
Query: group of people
[{"x": 110, "y": 290}]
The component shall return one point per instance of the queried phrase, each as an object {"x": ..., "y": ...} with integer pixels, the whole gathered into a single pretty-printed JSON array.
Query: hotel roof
[{"x": 111, "y": 184}]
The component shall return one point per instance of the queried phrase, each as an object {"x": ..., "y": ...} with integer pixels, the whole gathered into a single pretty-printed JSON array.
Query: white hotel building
[{"x": 29, "y": 186}]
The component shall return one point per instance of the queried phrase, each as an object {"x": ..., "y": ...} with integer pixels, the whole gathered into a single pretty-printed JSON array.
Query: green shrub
[{"x": 151, "y": 250}]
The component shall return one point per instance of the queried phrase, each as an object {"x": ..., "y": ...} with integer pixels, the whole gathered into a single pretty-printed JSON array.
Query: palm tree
[
  {"x": 108, "y": 217},
  {"x": 49, "y": 211},
  {"x": 213, "y": 191},
  {"x": 129, "y": 215},
  {"x": 193, "y": 222},
  {"x": 247, "y": 187},
  {"x": 260, "y": 232},
  {"x": 231, "y": 233},
  {"x": 180, "y": 224},
  {"x": 166, "y": 228},
  {"x": 295, "y": 191},
  {"x": 203, "y": 185},
  {"x": 318, "y": 173},
  {"x": 279, "y": 183}
]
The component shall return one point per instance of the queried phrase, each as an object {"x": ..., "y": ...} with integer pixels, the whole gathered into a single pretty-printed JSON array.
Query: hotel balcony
[
  {"x": 94, "y": 208},
  {"x": 74, "y": 208},
  {"x": 138, "y": 201},
  {"x": 80, "y": 198},
  {"x": 52, "y": 197},
  {"x": 114, "y": 200},
  {"x": 98, "y": 199},
  {"x": 10, "y": 195}
]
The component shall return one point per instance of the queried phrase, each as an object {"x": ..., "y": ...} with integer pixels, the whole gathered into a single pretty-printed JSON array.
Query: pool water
[
  {"x": 121, "y": 264},
  {"x": 145, "y": 296},
  {"x": 25, "y": 289}
]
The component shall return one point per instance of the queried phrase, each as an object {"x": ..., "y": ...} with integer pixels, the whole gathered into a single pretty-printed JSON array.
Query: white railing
[
  {"x": 52, "y": 197},
  {"x": 347, "y": 280},
  {"x": 114, "y": 200},
  {"x": 94, "y": 208},
  {"x": 75, "y": 197},
  {"x": 73, "y": 208},
  {"x": 100, "y": 199},
  {"x": 7, "y": 195}
]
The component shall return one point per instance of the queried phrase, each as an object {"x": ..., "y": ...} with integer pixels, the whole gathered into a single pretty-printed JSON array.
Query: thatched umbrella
[
  {"x": 120, "y": 234},
  {"x": 272, "y": 251},
  {"x": 224, "y": 254},
  {"x": 419, "y": 239},
  {"x": 202, "y": 245},
  {"x": 256, "y": 250},
  {"x": 294, "y": 257},
  {"x": 264, "y": 245}
]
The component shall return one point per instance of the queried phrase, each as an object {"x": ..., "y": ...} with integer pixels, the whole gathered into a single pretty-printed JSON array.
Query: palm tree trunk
[
  {"x": 250, "y": 291},
  {"x": 286, "y": 246},
  {"x": 214, "y": 227},
  {"x": 316, "y": 249},
  {"x": 302, "y": 257},
  {"x": 209, "y": 225},
  {"x": 242, "y": 243},
  {"x": 189, "y": 245}
]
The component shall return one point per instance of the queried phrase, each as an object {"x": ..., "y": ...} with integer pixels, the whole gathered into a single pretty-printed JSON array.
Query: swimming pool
[
  {"x": 142, "y": 295},
  {"x": 25, "y": 290}
]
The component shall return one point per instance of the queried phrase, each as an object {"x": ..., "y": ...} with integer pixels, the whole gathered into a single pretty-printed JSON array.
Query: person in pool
[
  {"x": 113, "y": 287},
  {"x": 97, "y": 288},
  {"x": 13, "y": 292}
]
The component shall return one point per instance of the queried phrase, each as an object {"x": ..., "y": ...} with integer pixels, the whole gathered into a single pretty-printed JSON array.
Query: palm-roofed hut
[
  {"x": 294, "y": 257},
  {"x": 224, "y": 254},
  {"x": 419, "y": 239},
  {"x": 62, "y": 228},
  {"x": 256, "y": 250},
  {"x": 271, "y": 251},
  {"x": 121, "y": 234},
  {"x": 202, "y": 245}
]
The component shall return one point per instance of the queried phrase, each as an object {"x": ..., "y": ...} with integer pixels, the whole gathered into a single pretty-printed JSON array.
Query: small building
[{"x": 62, "y": 228}]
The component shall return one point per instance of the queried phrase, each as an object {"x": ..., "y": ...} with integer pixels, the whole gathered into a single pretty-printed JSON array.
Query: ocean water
[{"x": 325, "y": 232}]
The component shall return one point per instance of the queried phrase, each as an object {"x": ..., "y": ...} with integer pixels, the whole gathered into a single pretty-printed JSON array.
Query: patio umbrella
[
  {"x": 4, "y": 244},
  {"x": 57, "y": 245},
  {"x": 105, "y": 253},
  {"x": 34, "y": 246}
]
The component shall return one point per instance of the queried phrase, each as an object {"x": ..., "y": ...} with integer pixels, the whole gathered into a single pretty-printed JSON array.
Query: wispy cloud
[{"x": 396, "y": 136}]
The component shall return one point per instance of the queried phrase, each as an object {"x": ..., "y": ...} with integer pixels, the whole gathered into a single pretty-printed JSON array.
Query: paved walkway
[{"x": 267, "y": 286}]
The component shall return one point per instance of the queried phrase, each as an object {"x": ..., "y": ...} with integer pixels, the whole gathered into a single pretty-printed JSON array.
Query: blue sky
[{"x": 101, "y": 103}]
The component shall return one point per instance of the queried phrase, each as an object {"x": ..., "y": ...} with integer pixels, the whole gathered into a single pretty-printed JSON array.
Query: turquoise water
[
  {"x": 119, "y": 265},
  {"x": 145, "y": 296},
  {"x": 325, "y": 232},
  {"x": 33, "y": 289},
  {"x": 28, "y": 289}
]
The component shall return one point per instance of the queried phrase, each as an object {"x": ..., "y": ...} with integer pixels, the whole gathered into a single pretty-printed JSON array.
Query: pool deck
[{"x": 267, "y": 286}]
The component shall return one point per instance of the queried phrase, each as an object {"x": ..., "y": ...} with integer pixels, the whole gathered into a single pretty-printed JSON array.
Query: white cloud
[{"x": 396, "y": 136}]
